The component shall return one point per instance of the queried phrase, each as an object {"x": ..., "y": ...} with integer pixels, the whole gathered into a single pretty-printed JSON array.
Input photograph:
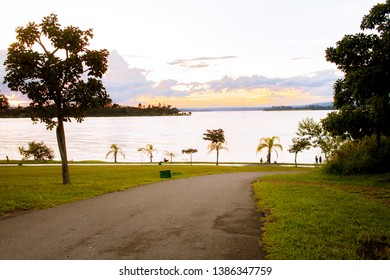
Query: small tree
[
  {"x": 39, "y": 151},
  {"x": 4, "y": 104},
  {"x": 318, "y": 137},
  {"x": 299, "y": 144},
  {"x": 270, "y": 144},
  {"x": 60, "y": 75},
  {"x": 217, "y": 138},
  {"x": 169, "y": 154},
  {"x": 115, "y": 150},
  {"x": 149, "y": 150},
  {"x": 189, "y": 151}
]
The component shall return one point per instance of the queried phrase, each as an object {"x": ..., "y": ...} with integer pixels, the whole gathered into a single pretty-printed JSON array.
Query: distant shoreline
[
  {"x": 125, "y": 111},
  {"x": 312, "y": 107}
]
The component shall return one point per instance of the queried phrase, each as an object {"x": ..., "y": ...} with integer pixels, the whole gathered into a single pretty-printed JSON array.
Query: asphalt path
[{"x": 200, "y": 218}]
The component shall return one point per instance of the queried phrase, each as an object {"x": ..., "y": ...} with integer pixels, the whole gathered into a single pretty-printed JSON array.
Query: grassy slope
[{"x": 317, "y": 216}]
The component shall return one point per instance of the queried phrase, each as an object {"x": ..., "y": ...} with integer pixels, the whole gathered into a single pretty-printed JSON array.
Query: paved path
[{"x": 207, "y": 217}]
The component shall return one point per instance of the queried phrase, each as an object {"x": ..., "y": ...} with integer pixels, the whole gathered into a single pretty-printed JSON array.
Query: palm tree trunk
[{"x": 60, "y": 131}]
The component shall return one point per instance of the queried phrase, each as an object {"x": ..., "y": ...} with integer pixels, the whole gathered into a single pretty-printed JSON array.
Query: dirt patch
[{"x": 375, "y": 249}]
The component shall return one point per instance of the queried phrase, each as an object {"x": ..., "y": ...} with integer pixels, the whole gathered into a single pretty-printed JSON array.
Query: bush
[
  {"x": 37, "y": 150},
  {"x": 361, "y": 157}
]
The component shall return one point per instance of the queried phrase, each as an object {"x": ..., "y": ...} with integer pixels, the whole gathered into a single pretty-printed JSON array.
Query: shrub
[
  {"x": 37, "y": 150},
  {"x": 361, "y": 157}
]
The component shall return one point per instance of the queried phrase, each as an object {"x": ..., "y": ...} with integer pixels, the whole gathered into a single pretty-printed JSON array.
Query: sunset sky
[{"x": 198, "y": 53}]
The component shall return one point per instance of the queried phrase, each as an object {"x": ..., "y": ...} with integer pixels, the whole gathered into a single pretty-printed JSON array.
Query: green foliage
[
  {"x": 362, "y": 156},
  {"x": 39, "y": 151},
  {"x": 314, "y": 132},
  {"x": 362, "y": 96},
  {"x": 313, "y": 216}
]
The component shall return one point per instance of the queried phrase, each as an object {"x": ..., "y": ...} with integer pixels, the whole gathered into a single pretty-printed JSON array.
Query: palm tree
[
  {"x": 217, "y": 146},
  {"x": 269, "y": 144},
  {"x": 149, "y": 149},
  {"x": 189, "y": 151},
  {"x": 115, "y": 150},
  {"x": 170, "y": 154}
]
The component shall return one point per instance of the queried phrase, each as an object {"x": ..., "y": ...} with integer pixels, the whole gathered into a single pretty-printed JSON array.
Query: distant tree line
[
  {"x": 291, "y": 108},
  {"x": 112, "y": 111}
]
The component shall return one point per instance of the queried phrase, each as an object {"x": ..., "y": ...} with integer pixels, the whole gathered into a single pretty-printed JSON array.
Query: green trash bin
[{"x": 165, "y": 174}]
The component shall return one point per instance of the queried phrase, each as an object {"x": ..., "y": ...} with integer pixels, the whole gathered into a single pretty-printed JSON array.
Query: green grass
[
  {"x": 28, "y": 187},
  {"x": 317, "y": 216}
]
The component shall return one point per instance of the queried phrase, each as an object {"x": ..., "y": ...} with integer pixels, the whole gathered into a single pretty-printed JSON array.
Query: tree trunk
[
  {"x": 296, "y": 159},
  {"x": 217, "y": 157},
  {"x": 62, "y": 147}
]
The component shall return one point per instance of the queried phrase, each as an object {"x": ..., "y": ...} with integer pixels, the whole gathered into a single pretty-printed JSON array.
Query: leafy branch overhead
[
  {"x": 362, "y": 95},
  {"x": 62, "y": 79}
]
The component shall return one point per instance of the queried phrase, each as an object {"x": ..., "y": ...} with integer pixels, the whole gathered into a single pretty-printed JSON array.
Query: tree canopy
[
  {"x": 60, "y": 75},
  {"x": 362, "y": 96}
]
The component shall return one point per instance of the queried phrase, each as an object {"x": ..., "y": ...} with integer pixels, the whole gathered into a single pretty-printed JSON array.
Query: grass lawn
[
  {"x": 305, "y": 216},
  {"x": 38, "y": 187},
  {"x": 317, "y": 216}
]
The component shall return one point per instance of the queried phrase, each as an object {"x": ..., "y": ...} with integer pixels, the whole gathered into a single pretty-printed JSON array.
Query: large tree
[
  {"x": 362, "y": 96},
  {"x": 60, "y": 75},
  {"x": 217, "y": 139}
]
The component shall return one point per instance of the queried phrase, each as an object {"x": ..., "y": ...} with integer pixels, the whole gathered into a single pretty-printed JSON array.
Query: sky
[{"x": 204, "y": 53}]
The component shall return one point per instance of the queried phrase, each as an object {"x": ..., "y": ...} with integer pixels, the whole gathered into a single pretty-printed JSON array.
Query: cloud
[
  {"x": 300, "y": 58},
  {"x": 199, "y": 62},
  {"x": 317, "y": 83},
  {"x": 130, "y": 86}
]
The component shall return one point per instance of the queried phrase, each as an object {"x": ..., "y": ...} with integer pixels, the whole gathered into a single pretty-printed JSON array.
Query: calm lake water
[{"x": 92, "y": 138}]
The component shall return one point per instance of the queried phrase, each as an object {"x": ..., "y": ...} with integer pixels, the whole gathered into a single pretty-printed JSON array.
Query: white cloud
[{"x": 126, "y": 85}]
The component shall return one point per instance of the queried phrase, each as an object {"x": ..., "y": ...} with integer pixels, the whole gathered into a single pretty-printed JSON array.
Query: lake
[{"x": 91, "y": 139}]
